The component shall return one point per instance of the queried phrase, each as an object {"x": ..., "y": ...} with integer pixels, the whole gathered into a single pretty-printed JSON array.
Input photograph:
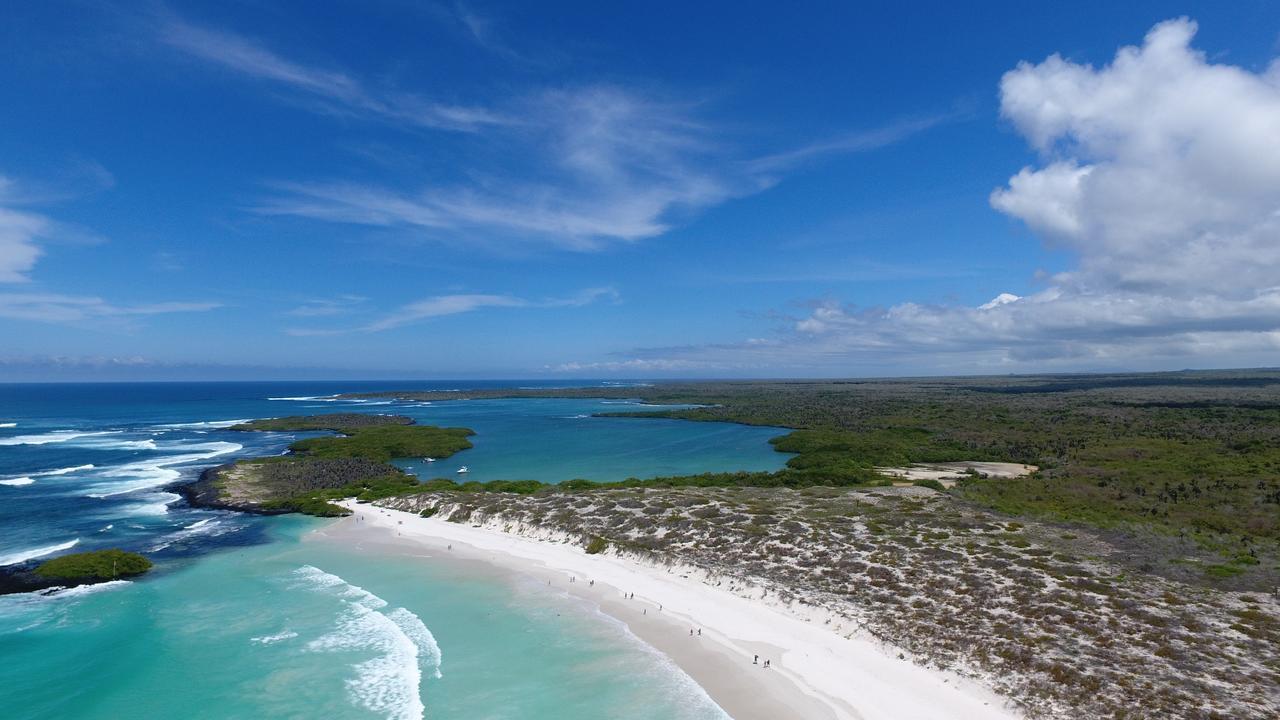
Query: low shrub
[{"x": 96, "y": 565}]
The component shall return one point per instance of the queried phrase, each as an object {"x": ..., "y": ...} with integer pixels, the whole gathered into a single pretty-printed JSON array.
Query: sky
[{"x": 248, "y": 189}]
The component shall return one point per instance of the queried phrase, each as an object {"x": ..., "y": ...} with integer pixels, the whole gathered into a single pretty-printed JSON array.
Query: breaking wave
[
  {"x": 64, "y": 471},
  {"x": 216, "y": 424},
  {"x": 55, "y": 436},
  {"x": 155, "y": 472},
  {"x": 22, "y": 556},
  {"x": 28, "y": 479},
  {"x": 388, "y": 683}
]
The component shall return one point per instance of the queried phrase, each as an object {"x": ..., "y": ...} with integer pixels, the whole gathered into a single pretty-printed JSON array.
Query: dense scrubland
[
  {"x": 1182, "y": 469},
  {"x": 93, "y": 566},
  {"x": 1042, "y": 615},
  {"x": 353, "y": 463}
]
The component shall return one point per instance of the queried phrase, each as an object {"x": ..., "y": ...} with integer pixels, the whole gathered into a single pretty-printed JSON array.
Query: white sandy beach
[{"x": 816, "y": 672}]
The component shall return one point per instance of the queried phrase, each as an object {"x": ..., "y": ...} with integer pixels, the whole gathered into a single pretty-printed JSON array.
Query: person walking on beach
[
  {"x": 755, "y": 660},
  {"x": 699, "y": 632}
]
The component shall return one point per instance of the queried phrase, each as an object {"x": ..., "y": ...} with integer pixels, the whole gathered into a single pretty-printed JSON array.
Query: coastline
[{"x": 816, "y": 672}]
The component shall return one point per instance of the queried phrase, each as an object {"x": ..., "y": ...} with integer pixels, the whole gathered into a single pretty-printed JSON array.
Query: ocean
[{"x": 248, "y": 617}]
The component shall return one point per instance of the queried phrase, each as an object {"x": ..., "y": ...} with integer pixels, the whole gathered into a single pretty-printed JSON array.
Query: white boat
[
  {"x": 463, "y": 469},
  {"x": 428, "y": 459}
]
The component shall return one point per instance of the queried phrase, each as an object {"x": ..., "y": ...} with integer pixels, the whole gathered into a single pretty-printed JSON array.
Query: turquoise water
[
  {"x": 308, "y": 629},
  {"x": 556, "y": 440},
  {"x": 244, "y": 618}
]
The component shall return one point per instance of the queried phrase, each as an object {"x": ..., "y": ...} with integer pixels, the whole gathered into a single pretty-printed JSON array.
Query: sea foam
[
  {"x": 65, "y": 470},
  {"x": 155, "y": 472},
  {"x": 387, "y": 684},
  {"x": 277, "y": 637},
  {"x": 428, "y": 648},
  {"x": 32, "y": 553},
  {"x": 205, "y": 424},
  {"x": 158, "y": 505},
  {"x": 28, "y": 479},
  {"x": 55, "y": 436}
]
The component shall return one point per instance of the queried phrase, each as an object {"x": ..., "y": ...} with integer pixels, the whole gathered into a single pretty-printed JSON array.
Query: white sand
[
  {"x": 948, "y": 473},
  {"x": 816, "y": 672}
]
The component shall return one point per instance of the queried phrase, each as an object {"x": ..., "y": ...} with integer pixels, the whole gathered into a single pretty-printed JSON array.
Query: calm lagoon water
[{"x": 245, "y": 618}]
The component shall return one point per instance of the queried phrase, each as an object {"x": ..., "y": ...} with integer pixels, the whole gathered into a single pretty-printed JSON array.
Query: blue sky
[{"x": 400, "y": 189}]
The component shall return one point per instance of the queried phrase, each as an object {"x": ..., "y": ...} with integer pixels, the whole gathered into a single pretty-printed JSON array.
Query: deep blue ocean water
[{"x": 243, "y": 618}]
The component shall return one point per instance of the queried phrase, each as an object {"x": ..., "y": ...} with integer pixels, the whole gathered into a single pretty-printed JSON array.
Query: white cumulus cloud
[{"x": 1161, "y": 172}]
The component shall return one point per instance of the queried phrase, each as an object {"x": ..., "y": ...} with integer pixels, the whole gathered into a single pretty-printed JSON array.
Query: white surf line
[
  {"x": 156, "y": 472},
  {"x": 858, "y": 678},
  {"x": 55, "y": 436},
  {"x": 65, "y": 470},
  {"x": 22, "y": 556},
  {"x": 390, "y": 682},
  {"x": 216, "y": 424}
]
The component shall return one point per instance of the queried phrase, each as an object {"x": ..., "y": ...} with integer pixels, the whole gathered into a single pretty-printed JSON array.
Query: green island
[
  {"x": 93, "y": 566},
  {"x": 353, "y": 463}
]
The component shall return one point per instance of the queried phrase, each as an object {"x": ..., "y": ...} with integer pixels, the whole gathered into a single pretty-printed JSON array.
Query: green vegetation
[
  {"x": 1193, "y": 457},
  {"x": 1051, "y": 622},
  {"x": 94, "y": 565},
  {"x": 322, "y": 469},
  {"x": 372, "y": 437},
  {"x": 384, "y": 442}
]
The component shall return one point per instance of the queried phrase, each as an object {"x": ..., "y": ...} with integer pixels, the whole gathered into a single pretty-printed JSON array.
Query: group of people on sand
[{"x": 756, "y": 661}]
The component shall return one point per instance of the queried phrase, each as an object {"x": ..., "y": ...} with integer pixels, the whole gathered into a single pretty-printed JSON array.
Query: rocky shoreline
[{"x": 204, "y": 493}]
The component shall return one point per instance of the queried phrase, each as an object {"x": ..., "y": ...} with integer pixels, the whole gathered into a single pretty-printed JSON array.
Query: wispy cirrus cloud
[
  {"x": 855, "y": 142},
  {"x": 602, "y": 164},
  {"x": 23, "y": 232},
  {"x": 328, "y": 307},
  {"x": 19, "y": 248},
  {"x": 1161, "y": 174},
  {"x": 457, "y": 304},
  {"x": 73, "y": 309},
  {"x": 610, "y": 166},
  {"x": 581, "y": 166},
  {"x": 336, "y": 91}
]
